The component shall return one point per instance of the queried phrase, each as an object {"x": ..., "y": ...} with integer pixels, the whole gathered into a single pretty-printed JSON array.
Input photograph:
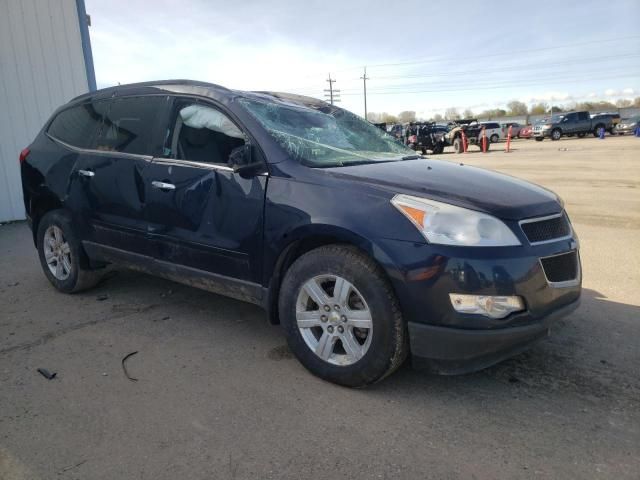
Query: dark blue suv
[{"x": 364, "y": 251}]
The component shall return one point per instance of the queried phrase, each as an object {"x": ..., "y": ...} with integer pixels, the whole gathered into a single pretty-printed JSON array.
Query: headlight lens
[{"x": 450, "y": 225}]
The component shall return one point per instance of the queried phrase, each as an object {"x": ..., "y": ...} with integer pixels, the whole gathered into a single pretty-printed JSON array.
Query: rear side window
[
  {"x": 79, "y": 125},
  {"x": 128, "y": 125}
]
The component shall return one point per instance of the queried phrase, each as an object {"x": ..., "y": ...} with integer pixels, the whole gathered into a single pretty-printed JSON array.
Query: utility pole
[
  {"x": 364, "y": 81},
  {"x": 334, "y": 94}
]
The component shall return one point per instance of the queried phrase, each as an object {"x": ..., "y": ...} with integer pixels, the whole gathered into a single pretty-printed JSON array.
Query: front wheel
[
  {"x": 61, "y": 255},
  {"x": 539, "y": 139},
  {"x": 457, "y": 145},
  {"x": 581, "y": 135},
  {"x": 341, "y": 317},
  {"x": 556, "y": 134}
]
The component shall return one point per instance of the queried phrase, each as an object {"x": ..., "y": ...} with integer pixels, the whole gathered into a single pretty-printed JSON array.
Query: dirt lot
[{"x": 219, "y": 396}]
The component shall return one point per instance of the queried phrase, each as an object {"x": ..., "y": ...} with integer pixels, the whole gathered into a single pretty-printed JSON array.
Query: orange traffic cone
[
  {"x": 484, "y": 140},
  {"x": 508, "y": 148}
]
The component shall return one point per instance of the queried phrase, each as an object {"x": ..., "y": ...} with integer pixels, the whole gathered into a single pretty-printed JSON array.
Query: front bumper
[
  {"x": 541, "y": 133},
  {"x": 454, "y": 351},
  {"x": 450, "y": 342},
  {"x": 624, "y": 130}
]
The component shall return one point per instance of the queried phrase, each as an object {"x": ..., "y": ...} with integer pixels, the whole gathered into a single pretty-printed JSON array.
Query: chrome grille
[{"x": 546, "y": 229}]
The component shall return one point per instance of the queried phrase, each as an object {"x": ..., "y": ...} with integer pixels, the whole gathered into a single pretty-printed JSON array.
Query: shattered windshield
[{"x": 327, "y": 136}]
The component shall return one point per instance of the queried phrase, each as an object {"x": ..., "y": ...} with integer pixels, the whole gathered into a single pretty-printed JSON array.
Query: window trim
[
  {"x": 163, "y": 118},
  {"x": 90, "y": 151}
]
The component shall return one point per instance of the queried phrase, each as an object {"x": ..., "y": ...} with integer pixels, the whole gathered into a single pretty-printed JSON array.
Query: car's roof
[{"x": 194, "y": 87}]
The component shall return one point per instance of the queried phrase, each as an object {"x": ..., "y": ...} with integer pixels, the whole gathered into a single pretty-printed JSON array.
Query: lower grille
[{"x": 561, "y": 268}]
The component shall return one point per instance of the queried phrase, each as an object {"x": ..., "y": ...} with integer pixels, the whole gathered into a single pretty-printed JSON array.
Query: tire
[
  {"x": 494, "y": 138},
  {"x": 596, "y": 131},
  {"x": 556, "y": 134},
  {"x": 457, "y": 145},
  {"x": 72, "y": 273},
  {"x": 581, "y": 135},
  {"x": 438, "y": 148},
  {"x": 539, "y": 139},
  {"x": 381, "y": 348}
]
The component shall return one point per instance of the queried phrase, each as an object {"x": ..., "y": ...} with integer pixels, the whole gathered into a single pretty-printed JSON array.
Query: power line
[
  {"x": 534, "y": 83},
  {"x": 512, "y": 52},
  {"x": 503, "y": 82}
]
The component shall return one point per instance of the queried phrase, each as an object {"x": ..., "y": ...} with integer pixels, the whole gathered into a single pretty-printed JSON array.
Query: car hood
[{"x": 500, "y": 195}]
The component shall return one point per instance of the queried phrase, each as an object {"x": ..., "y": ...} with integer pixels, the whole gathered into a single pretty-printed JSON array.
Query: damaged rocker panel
[{"x": 220, "y": 284}]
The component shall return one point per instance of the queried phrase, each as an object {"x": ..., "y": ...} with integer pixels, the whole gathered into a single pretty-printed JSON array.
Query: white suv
[{"x": 493, "y": 131}]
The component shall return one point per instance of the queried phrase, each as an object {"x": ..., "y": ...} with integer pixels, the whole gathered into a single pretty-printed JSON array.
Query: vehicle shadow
[{"x": 594, "y": 351}]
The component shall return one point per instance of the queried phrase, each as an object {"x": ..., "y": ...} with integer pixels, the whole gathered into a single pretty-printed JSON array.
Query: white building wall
[{"x": 42, "y": 66}]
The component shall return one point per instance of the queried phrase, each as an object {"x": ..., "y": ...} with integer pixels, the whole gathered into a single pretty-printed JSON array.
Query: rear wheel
[
  {"x": 596, "y": 131},
  {"x": 64, "y": 262},
  {"x": 341, "y": 317},
  {"x": 581, "y": 135},
  {"x": 494, "y": 138}
]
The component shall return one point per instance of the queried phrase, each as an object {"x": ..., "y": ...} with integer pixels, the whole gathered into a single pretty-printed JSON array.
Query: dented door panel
[
  {"x": 107, "y": 193},
  {"x": 211, "y": 220}
]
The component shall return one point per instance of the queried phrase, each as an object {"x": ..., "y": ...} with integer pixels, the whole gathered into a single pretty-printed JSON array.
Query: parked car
[
  {"x": 361, "y": 249},
  {"x": 628, "y": 125},
  {"x": 515, "y": 129},
  {"x": 493, "y": 131},
  {"x": 574, "y": 123},
  {"x": 425, "y": 136},
  {"x": 526, "y": 131},
  {"x": 472, "y": 133}
]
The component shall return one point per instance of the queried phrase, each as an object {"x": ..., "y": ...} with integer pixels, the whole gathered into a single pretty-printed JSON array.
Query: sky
[{"x": 421, "y": 56}]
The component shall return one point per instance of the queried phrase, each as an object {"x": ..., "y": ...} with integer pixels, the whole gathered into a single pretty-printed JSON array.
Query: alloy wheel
[
  {"x": 334, "y": 319},
  {"x": 57, "y": 253}
]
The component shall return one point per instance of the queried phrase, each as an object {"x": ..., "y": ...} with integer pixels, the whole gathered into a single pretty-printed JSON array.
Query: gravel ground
[{"x": 219, "y": 396}]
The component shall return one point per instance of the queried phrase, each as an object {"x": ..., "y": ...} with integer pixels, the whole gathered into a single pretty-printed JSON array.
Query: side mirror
[{"x": 241, "y": 159}]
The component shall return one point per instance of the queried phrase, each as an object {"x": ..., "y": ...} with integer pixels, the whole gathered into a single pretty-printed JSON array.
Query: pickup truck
[{"x": 573, "y": 123}]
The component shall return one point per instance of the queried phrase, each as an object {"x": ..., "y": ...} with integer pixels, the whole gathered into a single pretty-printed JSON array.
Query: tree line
[{"x": 514, "y": 108}]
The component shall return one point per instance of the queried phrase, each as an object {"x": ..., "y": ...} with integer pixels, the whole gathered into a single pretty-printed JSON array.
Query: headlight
[
  {"x": 450, "y": 225},
  {"x": 547, "y": 126}
]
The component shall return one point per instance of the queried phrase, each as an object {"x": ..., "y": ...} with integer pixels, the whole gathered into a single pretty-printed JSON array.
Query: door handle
[
  {"x": 86, "y": 173},
  {"x": 163, "y": 186}
]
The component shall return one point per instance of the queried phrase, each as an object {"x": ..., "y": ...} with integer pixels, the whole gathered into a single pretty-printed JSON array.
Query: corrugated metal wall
[{"x": 41, "y": 67}]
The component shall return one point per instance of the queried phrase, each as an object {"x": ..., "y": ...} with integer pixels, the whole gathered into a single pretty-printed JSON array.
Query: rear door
[
  {"x": 584, "y": 120},
  {"x": 201, "y": 214},
  {"x": 108, "y": 184}
]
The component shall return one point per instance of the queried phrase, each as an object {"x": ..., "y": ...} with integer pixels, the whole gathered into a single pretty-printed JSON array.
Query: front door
[{"x": 202, "y": 214}]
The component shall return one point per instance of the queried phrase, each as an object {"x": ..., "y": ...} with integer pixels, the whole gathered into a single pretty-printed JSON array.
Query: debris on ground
[
  {"x": 47, "y": 374},
  {"x": 513, "y": 379},
  {"x": 70, "y": 467},
  {"x": 102, "y": 298},
  {"x": 14, "y": 284},
  {"x": 124, "y": 367}
]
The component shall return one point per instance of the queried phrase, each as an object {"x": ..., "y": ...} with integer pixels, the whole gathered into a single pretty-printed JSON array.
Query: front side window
[
  {"x": 78, "y": 126},
  {"x": 325, "y": 135},
  {"x": 128, "y": 125},
  {"x": 201, "y": 133}
]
